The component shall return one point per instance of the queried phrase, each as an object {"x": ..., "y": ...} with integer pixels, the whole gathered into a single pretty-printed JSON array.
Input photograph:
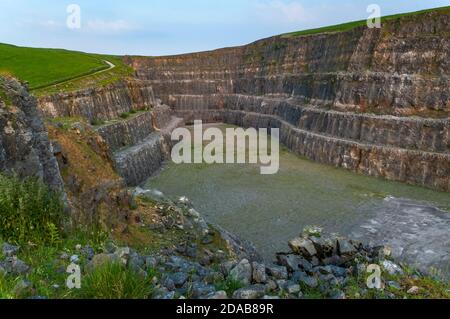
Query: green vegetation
[
  {"x": 229, "y": 285},
  {"x": 3, "y": 96},
  {"x": 55, "y": 70},
  {"x": 29, "y": 211},
  {"x": 114, "y": 281},
  {"x": 43, "y": 67},
  {"x": 354, "y": 24},
  {"x": 97, "y": 79},
  {"x": 125, "y": 115}
]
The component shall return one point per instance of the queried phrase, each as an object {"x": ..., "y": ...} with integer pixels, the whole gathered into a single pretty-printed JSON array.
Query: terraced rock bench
[{"x": 141, "y": 143}]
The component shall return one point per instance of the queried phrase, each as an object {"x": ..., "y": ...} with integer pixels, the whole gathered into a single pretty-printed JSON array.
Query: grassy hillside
[
  {"x": 55, "y": 70},
  {"x": 354, "y": 24},
  {"x": 42, "y": 67}
]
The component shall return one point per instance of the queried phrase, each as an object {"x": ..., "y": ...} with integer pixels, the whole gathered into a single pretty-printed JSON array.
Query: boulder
[
  {"x": 219, "y": 295},
  {"x": 326, "y": 247},
  {"x": 10, "y": 250},
  {"x": 392, "y": 268},
  {"x": 252, "y": 292},
  {"x": 242, "y": 272},
  {"x": 277, "y": 272},
  {"x": 303, "y": 247},
  {"x": 179, "y": 278},
  {"x": 304, "y": 278},
  {"x": 15, "y": 266},
  {"x": 346, "y": 248},
  {"x": 294, "y": 262},
  {"x": 259, "y": 273}
]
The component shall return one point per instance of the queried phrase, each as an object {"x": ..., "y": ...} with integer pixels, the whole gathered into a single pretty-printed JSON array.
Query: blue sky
[{"x": 160, "y": 27}]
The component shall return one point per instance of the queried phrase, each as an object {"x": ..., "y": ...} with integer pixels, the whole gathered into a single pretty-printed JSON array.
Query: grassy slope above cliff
[
  {"x": 56, "y": 70},
  {"x": 354, "y": 24}
]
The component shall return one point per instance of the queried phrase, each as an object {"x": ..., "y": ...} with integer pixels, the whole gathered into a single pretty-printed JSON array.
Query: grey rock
[
  {"x": 64, "y": 256},
  {"x": 267, "y": 297},
  {"x": 277, "y": 272},
  {"x": 74, "y": 259},
  {"x": 259, "y": 273},
  {"x": 325, "y": 247},
  {"x": 10, "y": 250},
  {"x": 346, "y": 248},
  {"x": 168, "y": 283},
  {"x": 303, "y": 247},
  {"x": 392, "y": 268},
  {"x": 337, "y": 294},
  {"x": 88, "y": 252},
  {"x": 271, "y": 285},
  {"x": 219, "y": 295},
  {"x": 309, "y": 281},
  {"x": 102, "y": 259},
  {"x": 200, "y": 289},
  {"x": 151, "y": 262},
  {"x": 123, "y": 254},
  {"x": 15, "y": 266},
  {"x": 179, "y": 278},
  {"x": 252, "y": 292},
  {"x": 226, "y": 267},
  {"x": 294, "y": 262},
  {"x": 242, "y": 272},
  {"x": 136, "y": 262},
  {"x": 292, "y": 288}
]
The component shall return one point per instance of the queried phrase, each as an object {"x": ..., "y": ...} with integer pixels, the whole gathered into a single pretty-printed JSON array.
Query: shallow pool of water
[{"x": 268, "y": 210}]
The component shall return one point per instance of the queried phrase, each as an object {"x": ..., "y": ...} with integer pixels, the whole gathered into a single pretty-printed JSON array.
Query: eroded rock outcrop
[
  {"x": 100, "y": 104},
  {"x": 25, "y": 148}
]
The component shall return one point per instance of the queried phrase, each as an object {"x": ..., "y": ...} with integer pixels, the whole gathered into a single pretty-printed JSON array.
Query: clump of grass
[
  {"x": 29, "y": 211},
  {"x": 229, "y": 285},
  {"x": 125, "y": 115},
  {"x": 114, "y": 281},
  {"x": 3, "y": 96},
  {"x": 97, "y": 122}
]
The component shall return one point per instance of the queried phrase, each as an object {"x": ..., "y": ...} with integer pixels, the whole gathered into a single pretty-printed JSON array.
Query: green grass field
[
  {"x": 354, "y": 24},
  {"x": 43, "y": 67},
  {"x": 49, "y": 71}
]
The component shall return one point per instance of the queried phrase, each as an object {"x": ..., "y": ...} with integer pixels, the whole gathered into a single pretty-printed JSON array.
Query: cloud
[
  {"x": 102, "y": 26},
  {"x": 49, "y": 24},
  {"x": 282, "y": 12}
]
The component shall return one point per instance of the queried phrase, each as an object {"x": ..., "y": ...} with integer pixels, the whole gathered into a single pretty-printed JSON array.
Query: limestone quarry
[{"x": 374, "y": 102}]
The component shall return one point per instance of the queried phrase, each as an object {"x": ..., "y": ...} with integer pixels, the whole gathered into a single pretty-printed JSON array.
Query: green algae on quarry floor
[{"x": 268, "y": 210}]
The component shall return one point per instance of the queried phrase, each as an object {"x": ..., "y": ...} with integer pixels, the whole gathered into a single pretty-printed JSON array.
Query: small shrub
[
  {"x": 229, "y": 285},
  {"x": 29, "y": 211},
  {"x": 114, "y": 281},
  {"x": 125, "y": 115},
  {"x": 97, "y": 122}
]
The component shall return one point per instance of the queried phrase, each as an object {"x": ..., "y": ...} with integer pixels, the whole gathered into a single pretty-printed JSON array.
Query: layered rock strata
[
  {"x": 25, "y": 149},
  {"x": 140, "y": 144},
  {"x": 100, "y": 104},
  {"x": 374, "y": 101}
]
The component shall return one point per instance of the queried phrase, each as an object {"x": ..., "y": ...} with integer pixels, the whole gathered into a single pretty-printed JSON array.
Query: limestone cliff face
[
  {"x": 25, "y": 148},
  {"x": 345, "y": 99},
  {"x": 105, "y": 103},
  {"x": 402, "y": 68}
]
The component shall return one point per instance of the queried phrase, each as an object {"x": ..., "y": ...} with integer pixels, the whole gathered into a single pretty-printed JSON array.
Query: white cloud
[
  {"x": 103, "y": 26},
  {"x": 49, "y": 24},
  {"x": 282, "y": 12}
]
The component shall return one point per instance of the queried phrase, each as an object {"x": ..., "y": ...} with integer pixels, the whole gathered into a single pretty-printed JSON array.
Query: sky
[{"x": 164, "y": 27}]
